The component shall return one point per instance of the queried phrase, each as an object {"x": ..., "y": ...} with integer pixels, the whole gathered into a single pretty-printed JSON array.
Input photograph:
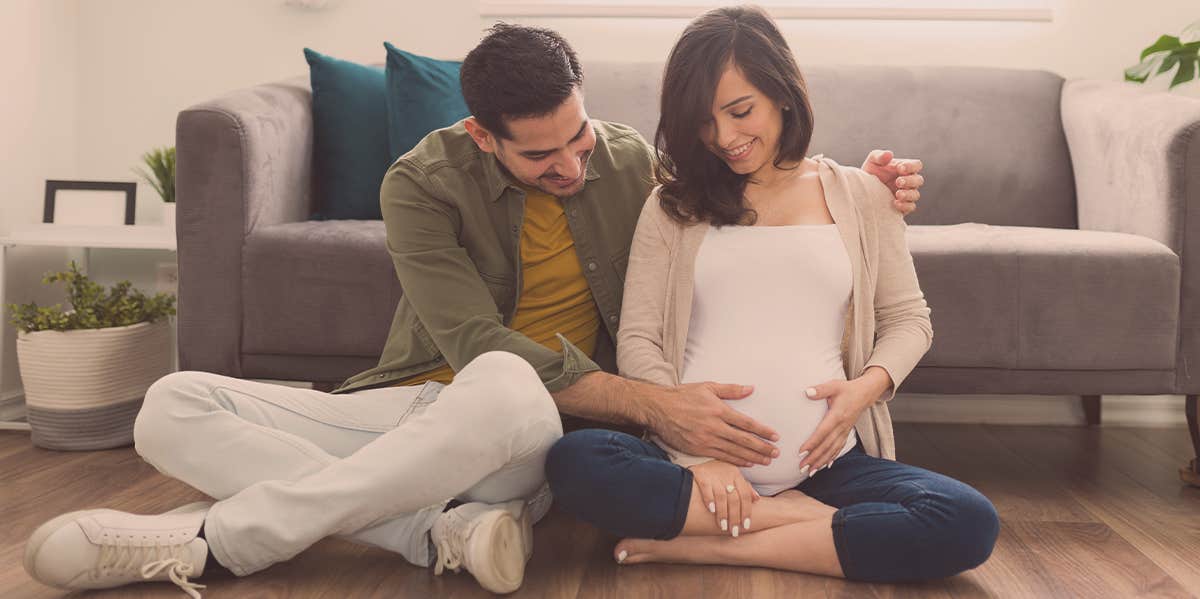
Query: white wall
[
  {"x": 39, "y": 136},
  {"x": 90, "y": 85}
]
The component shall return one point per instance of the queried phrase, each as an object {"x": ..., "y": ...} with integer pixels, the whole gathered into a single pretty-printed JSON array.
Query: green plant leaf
[
  {"x": 1147, "y": 67},
  {"x": 1187, "y": 71},
  {"x": 1165, "y": 42}
]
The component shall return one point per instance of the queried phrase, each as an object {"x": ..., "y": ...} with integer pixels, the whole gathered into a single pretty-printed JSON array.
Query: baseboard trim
[{"x": 1060, "y": 410}]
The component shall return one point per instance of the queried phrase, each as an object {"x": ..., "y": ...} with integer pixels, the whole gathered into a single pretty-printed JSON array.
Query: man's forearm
[{"x": 609, "y": 398}]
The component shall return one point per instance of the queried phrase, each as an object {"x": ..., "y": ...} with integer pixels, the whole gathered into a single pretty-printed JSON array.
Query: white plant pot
[
  {"x": 83, "y": 388},
  {"x": 168, "y": 215}
]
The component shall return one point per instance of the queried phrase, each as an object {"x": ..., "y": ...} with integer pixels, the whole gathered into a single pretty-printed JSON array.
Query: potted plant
[
  {"x": 86, "y": 370},
  {"x": 159, "y": 172}
]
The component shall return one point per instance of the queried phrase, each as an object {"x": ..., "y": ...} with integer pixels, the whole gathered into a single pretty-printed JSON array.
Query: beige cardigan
[{"x": 887, "y": 322}]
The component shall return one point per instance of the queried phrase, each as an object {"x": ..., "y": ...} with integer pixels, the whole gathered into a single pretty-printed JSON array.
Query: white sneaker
[
  {"x": 492, "y": 542},
  {"x": 102, "y": 548}
]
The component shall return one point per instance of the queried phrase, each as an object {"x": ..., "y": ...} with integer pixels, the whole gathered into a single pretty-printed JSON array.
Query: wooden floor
[{"x": 1086, "y": 512}]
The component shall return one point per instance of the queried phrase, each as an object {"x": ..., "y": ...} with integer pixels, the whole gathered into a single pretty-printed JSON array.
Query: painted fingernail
[
  {"x": 724, "y": 524},
  {"x": 803, "y": 453},
  {"x": 774, "y": 453},
  {"x": 712, "y": 507},
  {"x": 735, "y": 532},
  {"x": 811, "y": 392},
  {"x": 804, "y": 470},
  {"x": 746, "y": 524},
  {"x": 829, "y": 465},
  {"x": 621, "y": 556}
]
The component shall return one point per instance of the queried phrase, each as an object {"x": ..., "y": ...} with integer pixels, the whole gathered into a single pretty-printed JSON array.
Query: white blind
[{"x": 1010, "y": 10}]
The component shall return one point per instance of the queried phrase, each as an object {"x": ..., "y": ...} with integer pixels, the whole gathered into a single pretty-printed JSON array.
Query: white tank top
[{"x": 768, "y": 309}]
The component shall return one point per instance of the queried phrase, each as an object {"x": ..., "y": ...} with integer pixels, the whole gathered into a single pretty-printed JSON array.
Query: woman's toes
[{"x": 628, "y": 551}]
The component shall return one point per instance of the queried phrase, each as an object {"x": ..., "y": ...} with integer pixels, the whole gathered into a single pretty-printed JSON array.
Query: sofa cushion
[
  {"x": 1031, "y": 298},
  {"x": 350, "y": 140},
  {"x": 423, "y": 94},
  {"x": 318, "y": 288}
]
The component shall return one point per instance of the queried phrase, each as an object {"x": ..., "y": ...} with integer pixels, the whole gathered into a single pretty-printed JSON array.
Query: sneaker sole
[
  {"x": 502, "y": 549},
  {"x": 525, "y": 522},
  {"x": 44, "y": 531}
]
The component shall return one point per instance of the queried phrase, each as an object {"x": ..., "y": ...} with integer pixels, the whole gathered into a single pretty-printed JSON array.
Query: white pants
[{"x": 291, "y": 466}]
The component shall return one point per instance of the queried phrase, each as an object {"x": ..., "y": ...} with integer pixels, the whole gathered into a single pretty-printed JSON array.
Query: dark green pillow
[
  {"x": 350, "y": 137},
  {"x": 423, "y": 94}
]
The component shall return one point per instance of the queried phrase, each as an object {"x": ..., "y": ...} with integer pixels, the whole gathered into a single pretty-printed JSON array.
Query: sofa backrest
[{"x": 991, "y": 139}]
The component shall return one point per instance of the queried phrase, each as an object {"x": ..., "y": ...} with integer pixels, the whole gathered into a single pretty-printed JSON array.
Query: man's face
[{"x": 548, "y": 152}]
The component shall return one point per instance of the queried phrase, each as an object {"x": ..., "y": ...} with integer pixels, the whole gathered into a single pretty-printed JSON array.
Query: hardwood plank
[
  {"x": 1095, "y": 471},
  {"x": 965, "y": 453},
  {"x": 1171, "y": 440}
]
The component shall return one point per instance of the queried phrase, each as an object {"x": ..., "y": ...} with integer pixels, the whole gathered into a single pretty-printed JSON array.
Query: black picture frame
[{"x": 53, "y": 186}]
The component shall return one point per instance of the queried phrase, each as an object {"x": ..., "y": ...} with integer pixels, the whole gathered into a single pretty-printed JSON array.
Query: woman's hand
[
  {"x": 726, "y": 494},
  {"x": 847, "y": 400}
]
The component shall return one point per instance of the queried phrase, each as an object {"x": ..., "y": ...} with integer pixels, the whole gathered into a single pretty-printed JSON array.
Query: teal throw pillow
[
  {"x": 423, "y": 94},
  {"x": 350, "y": 137}
]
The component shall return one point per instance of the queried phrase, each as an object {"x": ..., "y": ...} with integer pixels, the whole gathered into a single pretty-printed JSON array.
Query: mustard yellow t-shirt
[{"x": 555, "y": 297}]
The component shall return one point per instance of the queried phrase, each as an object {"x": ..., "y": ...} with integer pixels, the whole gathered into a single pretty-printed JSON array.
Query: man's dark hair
[{"x": 518, "y": 72}]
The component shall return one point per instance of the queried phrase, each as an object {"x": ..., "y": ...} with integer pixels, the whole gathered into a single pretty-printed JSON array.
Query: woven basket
[{"x": 83, "y": 388}]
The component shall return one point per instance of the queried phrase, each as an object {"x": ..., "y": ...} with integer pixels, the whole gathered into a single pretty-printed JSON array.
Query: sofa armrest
[
  {"x": 1136, "y": 156},
  {"x": 244, "y": 161}
]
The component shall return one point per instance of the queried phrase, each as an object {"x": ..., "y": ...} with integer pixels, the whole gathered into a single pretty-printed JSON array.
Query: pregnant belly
[{"x": 794, "y": 417}]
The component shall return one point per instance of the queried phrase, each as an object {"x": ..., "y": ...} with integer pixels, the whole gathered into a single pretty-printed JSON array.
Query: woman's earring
[{"x": 787, "y": 108}]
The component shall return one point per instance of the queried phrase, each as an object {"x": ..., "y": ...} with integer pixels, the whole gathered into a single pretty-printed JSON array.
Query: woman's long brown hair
[{"x": 696, "y": 184}]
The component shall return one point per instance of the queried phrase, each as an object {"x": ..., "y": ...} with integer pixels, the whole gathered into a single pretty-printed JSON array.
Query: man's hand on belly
[{"x": 693, "y": 419}]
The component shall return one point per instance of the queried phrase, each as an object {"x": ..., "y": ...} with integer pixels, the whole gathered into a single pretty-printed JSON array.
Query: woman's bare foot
[{"x": 641, "y": 551}]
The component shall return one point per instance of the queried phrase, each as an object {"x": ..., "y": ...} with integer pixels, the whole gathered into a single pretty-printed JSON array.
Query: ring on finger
[{"x": 729, "y": 488}]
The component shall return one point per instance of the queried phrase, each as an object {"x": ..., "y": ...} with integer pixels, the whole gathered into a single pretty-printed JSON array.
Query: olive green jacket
[{"x": 453, "y": 217}]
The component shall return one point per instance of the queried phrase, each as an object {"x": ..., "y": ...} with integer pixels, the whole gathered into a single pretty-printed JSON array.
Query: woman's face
[{"x": 746, "y": 124}]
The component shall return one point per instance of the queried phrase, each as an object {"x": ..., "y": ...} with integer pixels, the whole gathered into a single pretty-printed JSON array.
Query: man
[{"x": 509, "y": 233}]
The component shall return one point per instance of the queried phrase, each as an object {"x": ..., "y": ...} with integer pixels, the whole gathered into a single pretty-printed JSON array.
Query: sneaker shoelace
[
  {"x": 450, "y": 548},
  {"x": 124, "y": 558}
]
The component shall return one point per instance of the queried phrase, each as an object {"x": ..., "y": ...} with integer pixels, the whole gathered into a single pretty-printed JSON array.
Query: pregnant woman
[{"x": 754, "y": 264}]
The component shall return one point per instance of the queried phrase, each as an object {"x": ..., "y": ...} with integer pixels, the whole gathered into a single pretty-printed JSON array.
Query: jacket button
[
  {"x": 612, "y": 318},
  {"x": 382, "y": 375},
  {"x": 591, "y": 266}
]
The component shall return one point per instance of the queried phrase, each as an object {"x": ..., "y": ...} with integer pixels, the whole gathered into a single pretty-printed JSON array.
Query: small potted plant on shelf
[
  {"x": 86, "y": 370},
  {"x": 159, "y": 172}
]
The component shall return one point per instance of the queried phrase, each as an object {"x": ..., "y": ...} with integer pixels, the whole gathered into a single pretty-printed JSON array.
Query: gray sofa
[{"x": 1057, "y": 241}]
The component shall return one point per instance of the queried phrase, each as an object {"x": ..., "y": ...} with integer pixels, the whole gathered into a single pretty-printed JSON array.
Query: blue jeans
[{"x": 894, "y": 522}]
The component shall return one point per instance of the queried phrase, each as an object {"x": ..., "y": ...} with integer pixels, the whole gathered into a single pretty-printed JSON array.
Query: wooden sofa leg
[
  {"x": 1091, "y": 409},
  {"x": 1190, "y": 473}
]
